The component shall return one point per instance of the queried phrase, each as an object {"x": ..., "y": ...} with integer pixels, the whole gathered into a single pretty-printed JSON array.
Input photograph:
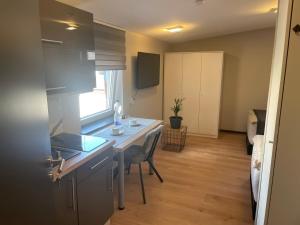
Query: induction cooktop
[{"x": 84, "y": 143}]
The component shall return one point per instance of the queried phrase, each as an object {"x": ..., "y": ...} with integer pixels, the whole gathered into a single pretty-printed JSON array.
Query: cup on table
[
  {"x": 116, "y": 130},
  {"x": 133, "y": 122}
]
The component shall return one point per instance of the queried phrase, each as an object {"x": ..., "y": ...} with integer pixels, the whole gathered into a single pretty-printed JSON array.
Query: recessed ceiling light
[
  {"x": 274, "y": 10},
  {"x": 200, "y": 2},
  {"x": 72, "y": 27},
  {"x": 174, "y": 29}
]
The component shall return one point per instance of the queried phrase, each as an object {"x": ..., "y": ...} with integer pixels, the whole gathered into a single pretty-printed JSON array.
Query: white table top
[{"x": 131, "y": 133}]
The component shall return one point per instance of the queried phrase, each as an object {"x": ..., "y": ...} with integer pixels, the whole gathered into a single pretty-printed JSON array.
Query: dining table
[{"x": 129, "y": 135}]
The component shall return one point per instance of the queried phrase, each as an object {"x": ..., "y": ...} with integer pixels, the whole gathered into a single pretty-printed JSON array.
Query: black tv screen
[{"x": 148, "y": 68}]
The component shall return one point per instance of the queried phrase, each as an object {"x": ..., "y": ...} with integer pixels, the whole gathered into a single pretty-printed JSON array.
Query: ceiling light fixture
[
  {"x": 200, "y": 2},
  {"x": 274, "y": 10},
  {"x": 174, "y": 29},
  {"x": 72, "y": 27}
]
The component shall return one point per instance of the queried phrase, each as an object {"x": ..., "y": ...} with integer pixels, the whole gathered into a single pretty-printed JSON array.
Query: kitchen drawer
[{"x": 94, "y": 165}]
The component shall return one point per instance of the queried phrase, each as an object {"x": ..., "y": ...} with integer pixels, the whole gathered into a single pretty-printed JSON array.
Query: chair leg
[
  {"x": 155, "y": 171},
  {"x": 150, "y": 168},
  {"x": 142, "y": 182}
]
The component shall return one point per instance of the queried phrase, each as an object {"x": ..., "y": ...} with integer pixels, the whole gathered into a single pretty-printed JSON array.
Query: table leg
[{"x": 121, "y": 170}]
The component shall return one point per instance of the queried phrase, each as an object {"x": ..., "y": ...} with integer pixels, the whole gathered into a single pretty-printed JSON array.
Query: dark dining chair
[{"x": 137, "y": 154}]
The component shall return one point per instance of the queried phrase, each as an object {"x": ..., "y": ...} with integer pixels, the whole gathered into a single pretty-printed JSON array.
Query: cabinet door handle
[
  {"x": 74, "y": 200},
  {"x": 111, "y": 179},
  {"x": 52, "y": 41},
  {"x": 80, "y": 56},
  {"x": 99, "y": 163},
  {"x": 56, "y": 88}
]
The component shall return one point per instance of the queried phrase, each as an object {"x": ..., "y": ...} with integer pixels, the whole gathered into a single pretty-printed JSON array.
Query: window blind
[{"x": 109, "y": 48}]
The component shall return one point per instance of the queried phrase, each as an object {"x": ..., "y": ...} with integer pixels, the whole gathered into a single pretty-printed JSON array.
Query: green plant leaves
[{"x": 177, "y": 106}]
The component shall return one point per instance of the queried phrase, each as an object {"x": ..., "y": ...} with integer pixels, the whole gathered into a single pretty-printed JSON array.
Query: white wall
[
  {"x": 247, "y": 66},
  {"x": 146, "y": 102},
  {"x": 65, "y": 107}
]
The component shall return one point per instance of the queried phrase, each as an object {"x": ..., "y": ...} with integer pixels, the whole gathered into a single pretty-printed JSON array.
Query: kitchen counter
[{"x": 77, "y": 161}]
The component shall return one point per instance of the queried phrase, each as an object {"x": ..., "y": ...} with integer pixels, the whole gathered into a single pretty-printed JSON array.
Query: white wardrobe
[{"x": 196, "y": 77}]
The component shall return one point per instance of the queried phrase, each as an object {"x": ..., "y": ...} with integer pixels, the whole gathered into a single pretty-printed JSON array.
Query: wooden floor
[{"x": 206, "y": 184}]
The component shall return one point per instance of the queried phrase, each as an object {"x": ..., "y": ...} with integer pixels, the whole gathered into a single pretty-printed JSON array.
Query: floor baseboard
[{"x": 233, "y": 131}]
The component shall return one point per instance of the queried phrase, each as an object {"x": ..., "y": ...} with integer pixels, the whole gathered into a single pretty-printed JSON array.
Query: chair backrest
[{"x": 151, "y": 141}]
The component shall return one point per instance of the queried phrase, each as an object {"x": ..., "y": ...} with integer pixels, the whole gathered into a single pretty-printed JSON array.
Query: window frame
[{"x": 106, "y": 113}]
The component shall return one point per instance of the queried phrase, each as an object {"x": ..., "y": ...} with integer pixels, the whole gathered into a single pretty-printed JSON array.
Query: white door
[
  {"x": 285, "y": 195},
  {"x": 191, "y": 67},
  {"x": 172, "y": 82},
  {"x": 210, "y": 93},
  {"x": 273, "y": 109}
]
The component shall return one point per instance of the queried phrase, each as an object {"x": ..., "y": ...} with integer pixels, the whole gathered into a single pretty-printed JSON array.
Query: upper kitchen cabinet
[{"x": 67, "y": 38}]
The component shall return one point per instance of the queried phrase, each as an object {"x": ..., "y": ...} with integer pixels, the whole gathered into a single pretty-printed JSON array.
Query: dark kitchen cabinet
[
  {"x": 85, "y": 197},
  {"x": 66, "y": 200},
  {"x": 68, "y": 68},
  {"x": 95, "y": 191},
  {"x": 54, "y": 68}
]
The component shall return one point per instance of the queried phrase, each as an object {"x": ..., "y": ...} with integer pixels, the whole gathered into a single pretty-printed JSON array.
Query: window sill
[{"x": 90, "y": 128}]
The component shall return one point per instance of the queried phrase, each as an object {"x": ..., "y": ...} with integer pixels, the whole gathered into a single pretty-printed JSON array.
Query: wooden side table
[{"x": 173, "y": 139}]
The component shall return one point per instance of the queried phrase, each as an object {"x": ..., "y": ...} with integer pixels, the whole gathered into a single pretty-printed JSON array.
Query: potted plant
[{"x": 175, "y": 120}]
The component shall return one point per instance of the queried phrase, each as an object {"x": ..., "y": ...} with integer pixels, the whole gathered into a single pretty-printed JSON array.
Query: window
[{"x": 99, "y": 103}]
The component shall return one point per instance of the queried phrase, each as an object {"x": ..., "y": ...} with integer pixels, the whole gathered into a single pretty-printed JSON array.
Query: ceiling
[{"x": 213, "y": 18}]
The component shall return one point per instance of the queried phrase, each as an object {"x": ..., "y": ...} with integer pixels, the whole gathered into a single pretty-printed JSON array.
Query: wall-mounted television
[{"x": 148, "y": 69}]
